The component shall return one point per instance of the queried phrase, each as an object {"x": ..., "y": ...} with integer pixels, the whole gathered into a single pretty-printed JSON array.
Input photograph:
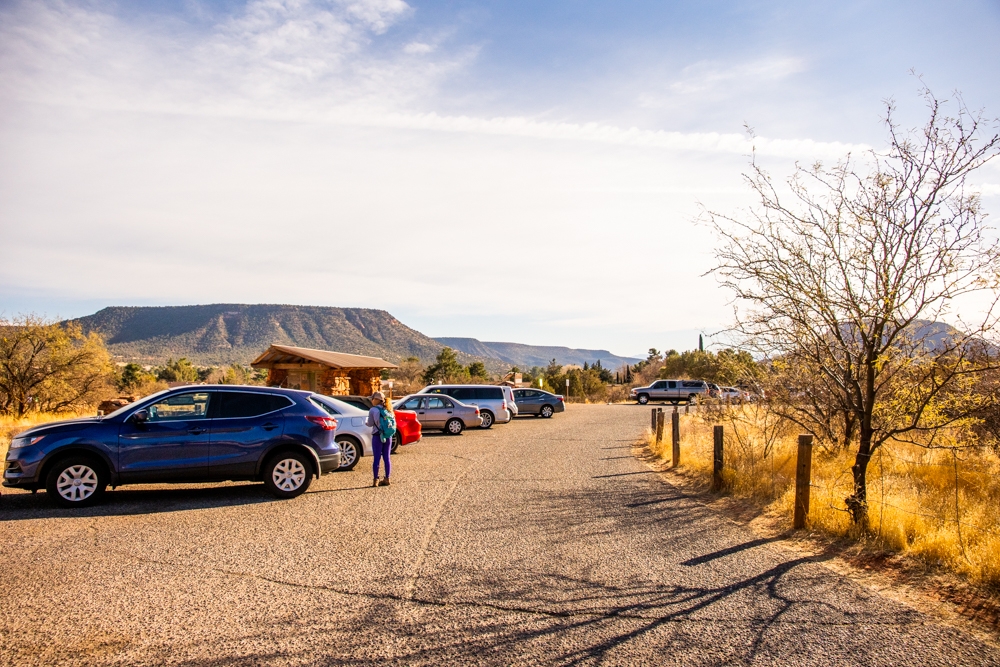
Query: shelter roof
[{"x": 285, "y": 354}]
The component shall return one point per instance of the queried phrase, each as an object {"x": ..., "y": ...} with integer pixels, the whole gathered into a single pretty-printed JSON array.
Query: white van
[{"x": 492, "y": 401}]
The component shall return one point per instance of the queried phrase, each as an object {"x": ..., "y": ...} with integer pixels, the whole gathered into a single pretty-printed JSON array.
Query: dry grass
[
  {"x": 11, "y": 426},
  {"x": 941, "y": 506}
]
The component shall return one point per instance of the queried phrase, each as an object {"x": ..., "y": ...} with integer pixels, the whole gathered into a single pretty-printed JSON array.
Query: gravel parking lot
[{"x": 539, "y": 542}]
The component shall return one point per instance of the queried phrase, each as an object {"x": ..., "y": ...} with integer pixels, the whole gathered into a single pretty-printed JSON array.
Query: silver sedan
[
  {"x": 354, "y": 438},
  {"x": 442, "y": 412}
]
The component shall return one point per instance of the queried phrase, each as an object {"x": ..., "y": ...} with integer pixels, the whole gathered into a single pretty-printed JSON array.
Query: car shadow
[{"x": 130, "y": 500}]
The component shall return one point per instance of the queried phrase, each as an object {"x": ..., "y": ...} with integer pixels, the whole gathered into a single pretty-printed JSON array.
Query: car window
[
  {"x": 192, "y": 405},
  {"x": 671, "y": 385},
  {"x": 527, "y": 394},
  {"x": 693, "y": 383},
  {"x": 463, "y": 394},
  {"x": 411, "y": 404},
  {"x": 447, "y": 403},
  {"x": 434, "y": 403},
  {"x": 235, "y": 404},
  {"x": 660, "y": 384},
  {"x": 488, "y": 393},
  {"x": 437, "y": 390}
]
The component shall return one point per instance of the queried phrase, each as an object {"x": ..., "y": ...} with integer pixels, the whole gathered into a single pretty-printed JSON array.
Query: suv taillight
[
  {"x": 327, "y": 423},
  {"x": 503, "y": 406}
]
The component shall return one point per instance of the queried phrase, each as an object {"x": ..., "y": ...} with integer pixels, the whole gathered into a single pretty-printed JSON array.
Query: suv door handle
[
  {"x": 197, "y": 430},
  {"x": 269, "y": 426}
]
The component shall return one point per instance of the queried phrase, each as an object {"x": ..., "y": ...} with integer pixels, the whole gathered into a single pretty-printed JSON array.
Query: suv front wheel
[
  {"x": 287, "y": 474},
  {"x": 76, "y": 481},
  {"x": 643, "y": 399}
]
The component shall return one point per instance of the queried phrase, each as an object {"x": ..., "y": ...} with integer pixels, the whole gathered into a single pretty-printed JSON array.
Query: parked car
[
  {"x": 673, "y": 391},
  {"x": 539, "y": 403},
  {"x": 354, "y": 438},
  {"x": 508, "y": 394},
  {"x": 443, "y": 412},
  {"x": 714, "y": 390},
  {"x": 407, "y": 426},
  {"x": 732, "y": 394},
  {"x": 186, "y": 434},
  {"x": 489, "y": 398}
]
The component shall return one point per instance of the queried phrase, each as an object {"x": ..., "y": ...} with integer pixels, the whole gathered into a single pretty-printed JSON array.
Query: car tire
[
  {"x": 395, "y": 444},
  {"x": 642, "y": 399},
  {"x": 488, "y": 419},
  {"x": 546, "y": 411},
  {"x": 454, "y": 427},
  {"x": 76, "y": 481},
  {"x": 287, "y": 474},
  {"x": 350, "y": 453}
]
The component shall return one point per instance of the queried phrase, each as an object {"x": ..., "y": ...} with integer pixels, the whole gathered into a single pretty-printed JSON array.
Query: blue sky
[{"x": 505, "y": 170}]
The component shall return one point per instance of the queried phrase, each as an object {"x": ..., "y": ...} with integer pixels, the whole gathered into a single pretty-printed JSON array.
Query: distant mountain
[
  {"x": 237, "y": 333},
  {"x": 526, "y": 356}
]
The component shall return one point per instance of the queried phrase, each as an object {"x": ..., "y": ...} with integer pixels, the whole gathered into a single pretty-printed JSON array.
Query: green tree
[
  {"x": 134, "y": 376},
  {"x": 477, "y": 369},
  {"x": 446, "y": 369},
  {"x": 178, "y": 371}
]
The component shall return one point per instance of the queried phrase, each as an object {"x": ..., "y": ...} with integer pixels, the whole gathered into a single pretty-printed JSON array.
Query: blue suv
[{"x": 203, "y": 433}]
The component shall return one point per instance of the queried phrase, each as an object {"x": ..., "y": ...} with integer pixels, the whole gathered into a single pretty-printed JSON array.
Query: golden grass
[
  {"x": 917, "y": 504},
  {"x": 11, "y": 426}
]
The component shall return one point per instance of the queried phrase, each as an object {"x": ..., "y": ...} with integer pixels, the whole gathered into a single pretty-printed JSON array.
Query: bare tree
[{"x": 847, "y": 272}]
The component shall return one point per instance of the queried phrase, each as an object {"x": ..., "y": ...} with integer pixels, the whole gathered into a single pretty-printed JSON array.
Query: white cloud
[
  {"x": 708, "y": 75},
  {"x": 418, "y": 48},
  {"x": 988, "y": 189}
]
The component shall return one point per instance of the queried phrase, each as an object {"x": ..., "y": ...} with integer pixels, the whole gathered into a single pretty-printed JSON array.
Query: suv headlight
[{"x": 18, "y": 443}]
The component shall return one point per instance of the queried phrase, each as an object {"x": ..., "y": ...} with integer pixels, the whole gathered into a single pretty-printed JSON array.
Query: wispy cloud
[
  {"x": 708, "y": 75},
  {"x": 302, "y": 61}
]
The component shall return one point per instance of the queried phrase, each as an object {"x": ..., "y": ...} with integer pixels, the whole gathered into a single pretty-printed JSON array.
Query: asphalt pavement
[{"x": 544, "y": 541}]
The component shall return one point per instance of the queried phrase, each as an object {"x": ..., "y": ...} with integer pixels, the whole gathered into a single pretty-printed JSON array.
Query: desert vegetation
[{"x": 844, "y": 277}]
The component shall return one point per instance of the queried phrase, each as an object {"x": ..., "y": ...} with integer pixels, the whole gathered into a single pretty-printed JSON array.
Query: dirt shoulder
[{"x": 946, "y": 597}]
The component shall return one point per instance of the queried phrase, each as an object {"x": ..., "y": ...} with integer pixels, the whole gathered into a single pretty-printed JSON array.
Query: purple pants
[{"x": 380, "y": 451}]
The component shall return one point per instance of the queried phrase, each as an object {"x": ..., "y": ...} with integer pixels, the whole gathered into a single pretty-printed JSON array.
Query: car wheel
[
  {"x": 547, "y": 411},
  {"x": 454, "y": 427},
  {"x": 395, "y": 444},
  {"x": 350, "y": 452},
  {"x": 643, "y": 399},
  {"x": 287, "y": 474},
  {"x": 488, "y": 419},
  {"x": 76, "y": 481}
]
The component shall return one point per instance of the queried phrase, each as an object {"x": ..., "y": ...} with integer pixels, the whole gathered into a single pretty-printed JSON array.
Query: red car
[{"x": 407, "y": 425}]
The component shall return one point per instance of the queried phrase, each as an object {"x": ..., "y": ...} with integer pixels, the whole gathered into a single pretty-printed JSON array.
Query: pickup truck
[{"x": 673, "y": 391}]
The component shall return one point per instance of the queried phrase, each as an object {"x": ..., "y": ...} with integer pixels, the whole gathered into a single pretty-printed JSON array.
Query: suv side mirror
[{"x": 139, "y": 417}]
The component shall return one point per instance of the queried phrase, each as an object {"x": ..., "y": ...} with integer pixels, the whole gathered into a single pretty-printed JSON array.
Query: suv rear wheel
[
  {"x": 287, "y": 474},
  {"x": 350, "y": 452},
  {"x": 488, "y": 419},
  {"x": 76, "y": 481}
]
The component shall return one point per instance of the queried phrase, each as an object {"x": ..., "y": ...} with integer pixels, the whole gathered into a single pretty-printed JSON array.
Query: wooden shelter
[{"x": 330, "y": 373}]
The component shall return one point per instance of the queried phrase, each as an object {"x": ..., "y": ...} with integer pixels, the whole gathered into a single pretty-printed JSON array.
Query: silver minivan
[{"x": 490, "y": 398}]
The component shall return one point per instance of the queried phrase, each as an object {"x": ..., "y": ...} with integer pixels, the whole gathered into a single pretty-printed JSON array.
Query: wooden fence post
[
  {"x": 652, "y": 420},
  {"x": 803, "y": 477},
  {"x": 675, "y": 437},
  {"x": 717, "y": 434},
  {"x": 659, "y": 426}
]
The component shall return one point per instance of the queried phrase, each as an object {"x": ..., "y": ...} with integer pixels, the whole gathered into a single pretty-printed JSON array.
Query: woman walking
[{"x": 380, "y": 418}]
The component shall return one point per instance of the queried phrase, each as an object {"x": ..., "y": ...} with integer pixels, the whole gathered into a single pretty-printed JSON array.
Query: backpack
[{"x": 386, "y": 423}]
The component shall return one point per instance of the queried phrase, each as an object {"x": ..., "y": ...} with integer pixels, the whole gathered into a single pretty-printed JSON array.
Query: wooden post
[
  {"x": 652, "y": 420},
  {"x": 687, "y": 407},
  {"x": 659, "y": 426},
  {"x": 717, "y": 435},
  {"x": 675, "y": 437},
  {"x": 803, "y": 477}
]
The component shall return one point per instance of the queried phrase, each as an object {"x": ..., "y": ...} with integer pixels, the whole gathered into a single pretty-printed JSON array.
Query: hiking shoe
[
  {"x": 375, "y": 482},
  {"x": 384, "y": 482}
]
